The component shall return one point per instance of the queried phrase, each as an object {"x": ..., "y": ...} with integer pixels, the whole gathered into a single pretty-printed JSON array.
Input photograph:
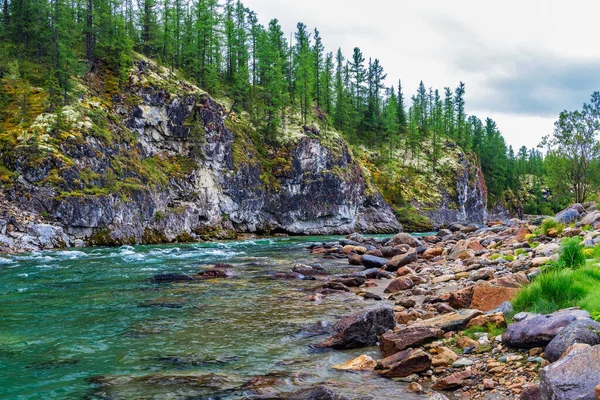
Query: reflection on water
[{"x": 89, "y": 324}]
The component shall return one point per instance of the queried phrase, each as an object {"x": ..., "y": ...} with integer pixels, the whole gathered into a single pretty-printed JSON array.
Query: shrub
[
  {"x": 571, "y": 253},
  {"x": 549, "y": 224},
  {"x": 589, "y": 252}
]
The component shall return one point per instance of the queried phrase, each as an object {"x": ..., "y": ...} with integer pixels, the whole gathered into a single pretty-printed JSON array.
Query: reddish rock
[
  {"x": 433, "y": 253},
  {"x": 404, "y": 363},
  {"x": 461, "y": 255},
  {"x": 459, "y": 299},
  {"x": 413, "y": 336},
  {"x": 404, "y": 271},
  {"x": 398, "y": 285},
  {"x": 512, "y": 281},
  {"x": 475, "y": 246},
  {"x": 401, "y": 260},
  {"x": 486, "y": 298},
  {"x": 531, "y": 392},
  {"x": 355, "y": 260},
  {"x": 454, "y": 380},
  {"x": 492, "y": 319}
]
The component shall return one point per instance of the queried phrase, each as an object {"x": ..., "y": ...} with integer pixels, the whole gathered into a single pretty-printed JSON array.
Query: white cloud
[{"x": 522, "y": 61}]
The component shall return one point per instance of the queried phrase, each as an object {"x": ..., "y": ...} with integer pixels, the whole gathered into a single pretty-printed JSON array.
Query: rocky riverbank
[{"x": 442, "y": 323}]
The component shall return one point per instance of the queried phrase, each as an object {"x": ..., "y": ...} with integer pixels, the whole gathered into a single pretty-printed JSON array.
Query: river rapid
[{"x": 89, "y": 324}]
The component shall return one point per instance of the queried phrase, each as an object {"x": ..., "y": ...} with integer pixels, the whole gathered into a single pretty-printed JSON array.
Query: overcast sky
[{"x": 522, "y": 61}]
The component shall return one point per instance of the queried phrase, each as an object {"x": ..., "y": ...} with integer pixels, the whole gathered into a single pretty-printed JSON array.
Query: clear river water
[{"x": 88, "y": 324}]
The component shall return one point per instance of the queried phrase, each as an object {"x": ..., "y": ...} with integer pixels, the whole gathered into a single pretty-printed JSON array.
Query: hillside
[{"x": 158, "y": 160}]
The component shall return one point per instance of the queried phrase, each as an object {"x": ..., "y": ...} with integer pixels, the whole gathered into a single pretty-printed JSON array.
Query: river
[{"x": 88, "y": 324}]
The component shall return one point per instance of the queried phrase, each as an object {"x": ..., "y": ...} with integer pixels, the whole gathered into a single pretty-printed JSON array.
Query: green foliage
[
  {"x": 550, "y": 291},
  {"x": 571, "y": 253},
  {"x": 548, "y": 224},
  {"x": 491, "y": 329}
]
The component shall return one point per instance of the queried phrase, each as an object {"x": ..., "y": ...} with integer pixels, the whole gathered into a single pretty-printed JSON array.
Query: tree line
[{"x": 223, "y": 47}]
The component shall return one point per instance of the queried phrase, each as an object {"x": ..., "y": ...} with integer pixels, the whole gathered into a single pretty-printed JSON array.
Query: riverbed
[{"x": 89, "y": 323}]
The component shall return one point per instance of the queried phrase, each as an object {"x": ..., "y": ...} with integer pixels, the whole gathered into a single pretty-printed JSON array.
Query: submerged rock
[
  {"x": 216, "y": 272},
  {"x": 165, "y": 278},
  {"x": 360, "y": 363},
  {"x": 361, "y": 329}
]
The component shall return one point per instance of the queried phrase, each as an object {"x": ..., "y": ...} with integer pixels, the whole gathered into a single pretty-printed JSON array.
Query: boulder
[
  {"x": 443, "y": 233},
  {"x": 443, "y": 357},
  {"x": 433, "y": 253},
  {"x": 401, "y": 260},
  {"x": 355, "y": 259},
  {"x": 460, "y": 298},
  {"x": 461, "y": 255},
  {"x": 488, "y": 298},
  {"x": 308, "y": 270},
  {"x": 484, "y": 274},
  {"x": 370, "y": 261},
  {"x": 539, "y": 261},
  {"x": 350, "y": 281},
  {"x": 404, "y": 238},
  {"x": 572, "y": 378},
  {"x": 531, "y": 392},
  {"x": 453, "y": 381},
  {"x": 412, "y": 336},
  {"x": 540, "y": 330},
  {"x": 455, "y": 321},
  {"x": 399, "y": 284},
  {"x": 583, "y": 331},
  {"x": 590, "y": 219},
  {"x": 361, "y": 329},
  {"x": 571, "y": 214},
  {"x": 404, "y": 363}
]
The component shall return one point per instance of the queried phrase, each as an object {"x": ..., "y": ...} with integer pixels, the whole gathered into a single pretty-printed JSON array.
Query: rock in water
[
  {"x": 539, "y": 331},
  {"x": 164, "y": 278},
  {"x": 361, "y": 329},
  {"x": 217, "y": 272},
  {"x": 360, "y": 363},
  {"x": 583, "y": 331},
  {"x": 572, "y": 378}
]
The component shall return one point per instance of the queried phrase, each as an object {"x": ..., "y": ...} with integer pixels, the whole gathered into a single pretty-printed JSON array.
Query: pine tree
[{"x": 303, "y": 70}]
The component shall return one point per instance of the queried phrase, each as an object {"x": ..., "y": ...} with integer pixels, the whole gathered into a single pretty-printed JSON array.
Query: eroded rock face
[
  {"x": 412, "y": 336},
  {"x": 404, "y": 363},
  {"x": 572, "y": 378},
  {"x": 223, "y": 190}
]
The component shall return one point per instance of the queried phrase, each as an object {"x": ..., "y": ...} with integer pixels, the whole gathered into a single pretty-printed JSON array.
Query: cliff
[{"x": 158, "y": 160}]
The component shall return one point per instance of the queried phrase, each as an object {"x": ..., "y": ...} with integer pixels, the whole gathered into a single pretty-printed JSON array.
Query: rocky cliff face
[
  {"x": 466, "y": 205},
  {"x": 170, "y": 165}
]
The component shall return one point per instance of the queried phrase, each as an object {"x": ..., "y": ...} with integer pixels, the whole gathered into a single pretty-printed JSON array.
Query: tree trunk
[{"x": 89, "y": 35}]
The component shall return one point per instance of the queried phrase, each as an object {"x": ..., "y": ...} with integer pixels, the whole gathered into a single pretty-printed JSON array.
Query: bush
[
  {"x": 549, "y": 224},
  {"x": 571, "y": 253}
]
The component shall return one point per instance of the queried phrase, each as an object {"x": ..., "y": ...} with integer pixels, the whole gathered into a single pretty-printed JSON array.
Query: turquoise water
[{"x": 88, "y": 324}]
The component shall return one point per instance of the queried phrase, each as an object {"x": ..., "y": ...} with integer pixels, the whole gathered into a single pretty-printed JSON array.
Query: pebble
[{"x": 463, "y": 362}]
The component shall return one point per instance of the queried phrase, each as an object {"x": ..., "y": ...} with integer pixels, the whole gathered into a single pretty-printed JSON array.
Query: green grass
[
  {"x": 571, "y": 253},
  {"x": 558, "y": 288},
  {"x": 490, "y": 329}
]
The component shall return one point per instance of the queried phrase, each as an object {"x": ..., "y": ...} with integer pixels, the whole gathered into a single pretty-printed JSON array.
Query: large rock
[
  {"x": 455, "y": 321},
  {"x": 572, "y": 378},
  {"x": 571, "y": 214},
  {"x": 398, "y": 285},
  {"x": 453, "y": 381},
  {"x": 404, "y": 363},
  {"x": 372, "y": 261},
  {"x": 361, "y": 329},
  {"x": 412, "y": 336},
  {"x": 49, "y": 236},
  {"x": 404, "y": 238},
  {"x": 540, "y": 330},
  {"x": 583, "y": 331},
  {"x": 590, "y": 219},
  {"x": 401, "y": 260},
  {"x": 461, "y": 255},
  {"x": 488, "y": 298}
]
